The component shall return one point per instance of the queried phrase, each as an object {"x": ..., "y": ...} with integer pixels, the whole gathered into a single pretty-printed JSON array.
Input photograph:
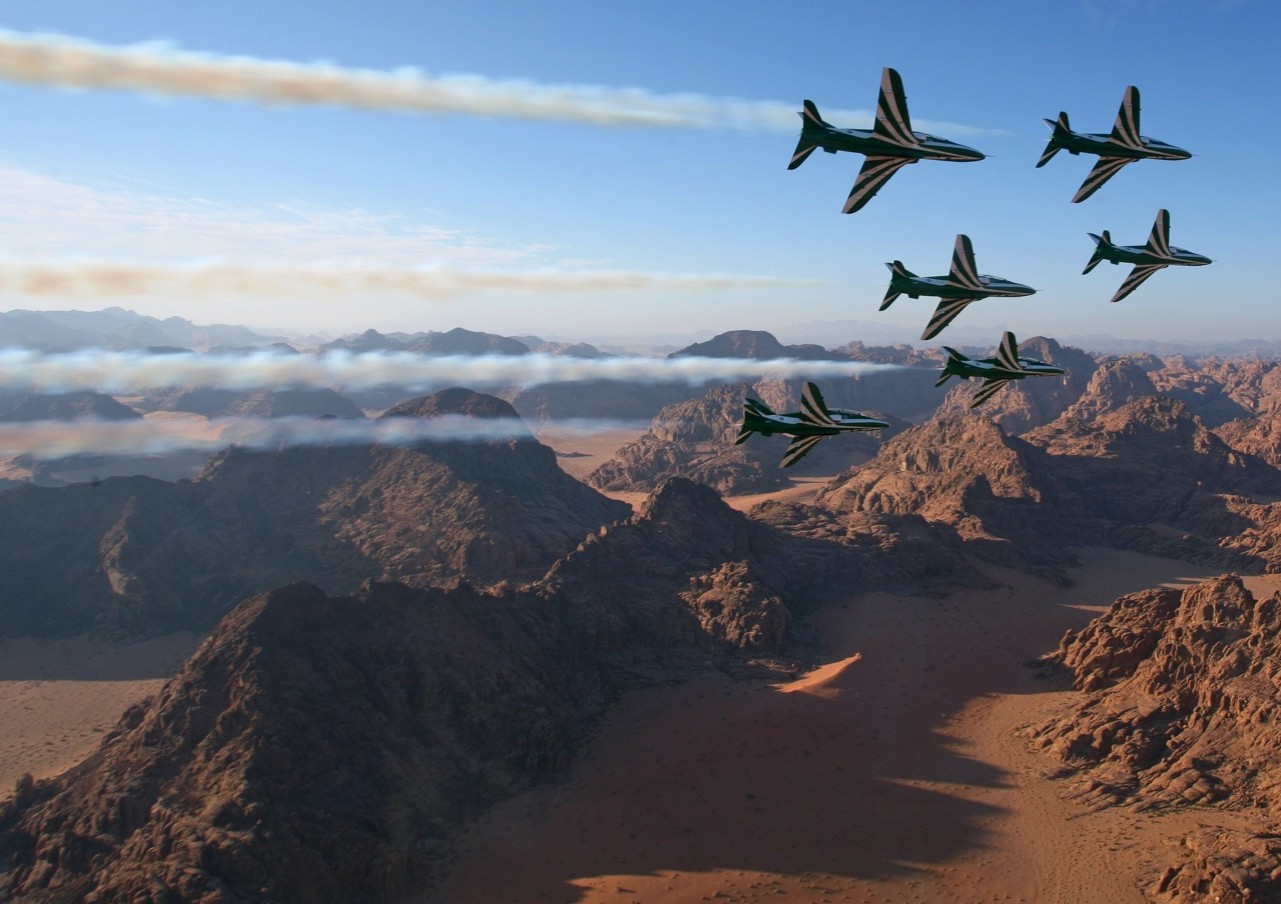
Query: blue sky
[{"x": 137, "y": 179}]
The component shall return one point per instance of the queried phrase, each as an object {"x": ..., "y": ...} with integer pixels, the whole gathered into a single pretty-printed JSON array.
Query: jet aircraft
[
  {"x": 889, "y": 146},
  {"x": 807, "y": 426},
  {"x": 994, "y": 372},
  {"x": 1121, "y": 147},
  {"x": 960, "y": 287},
  {"x": 1156, "y": 255}
]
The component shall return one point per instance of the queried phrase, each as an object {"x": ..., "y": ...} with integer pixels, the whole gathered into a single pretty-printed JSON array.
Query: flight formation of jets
[{"x": 890, "y": 145}]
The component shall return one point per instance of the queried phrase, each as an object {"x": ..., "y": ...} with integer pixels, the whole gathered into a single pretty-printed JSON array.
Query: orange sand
[
  {"x": 893, "y": 773},
  {"x": 57, "y": 697}
]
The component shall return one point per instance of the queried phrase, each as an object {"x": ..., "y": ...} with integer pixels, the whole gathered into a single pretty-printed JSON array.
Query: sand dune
[{"x": 893, "y": 773}]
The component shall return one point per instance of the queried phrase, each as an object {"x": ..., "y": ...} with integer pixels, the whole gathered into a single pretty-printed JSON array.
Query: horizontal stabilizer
[{"x": 1100, "y": 242}]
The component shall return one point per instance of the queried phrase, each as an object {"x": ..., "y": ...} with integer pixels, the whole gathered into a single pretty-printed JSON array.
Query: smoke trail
[
  {"x": 97, "y": 280},
  {"x": 124, "y": 372},
  {"x": 45, "y": 59},
  {"x": 49, "y": 440}
]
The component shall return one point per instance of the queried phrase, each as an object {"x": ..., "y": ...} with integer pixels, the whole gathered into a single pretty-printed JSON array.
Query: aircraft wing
[
  {"x": 1126, "y": 130},
  {"x": 945, "y": 313},
  {"x": 1007, "y": 355},
  {"x": 798, "y": 449},
  {"x": 1159, "y": 240},
  {"x": 813, "y": 409},
  {"x": 1136, "y": 278},
  {"x": 965, "y": 272},
  {"x": 875, "y": 173},
  {"x": 892, "y": 122},
  {"x": 1105, "y": 169},
  {"x": 987, "y": 390}
]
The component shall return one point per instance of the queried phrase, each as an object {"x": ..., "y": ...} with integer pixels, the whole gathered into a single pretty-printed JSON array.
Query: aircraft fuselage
[
  {"x": 991, "y": 369},
  {"x": 793, "y": 424},
  {"x": 1104, "y": 145},
  {"x": 942, "y": 287},
  {"x": 864, "y": 141},
  {"x": 1145, "y": 256}
]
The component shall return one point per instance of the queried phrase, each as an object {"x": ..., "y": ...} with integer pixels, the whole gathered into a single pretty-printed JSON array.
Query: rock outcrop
[
  {"x": 135, "y": 554},
  {"x": 1181, "y": 696}
]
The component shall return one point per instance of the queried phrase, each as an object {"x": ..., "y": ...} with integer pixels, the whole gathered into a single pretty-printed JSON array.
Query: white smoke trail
[
  {"x": 125, "y": 372},
  {"x": 98, "y": 280},
  {"x": 49, "y": 440},
  {"x": 159, "y": 68}
]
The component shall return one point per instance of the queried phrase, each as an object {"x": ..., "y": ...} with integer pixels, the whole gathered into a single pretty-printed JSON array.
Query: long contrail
[
  {"x": 98, "y": 280},
  {"x": 48, "y": 440},
  {"x": 126, "y": 372},
  {"x": 159, "y": 68}
]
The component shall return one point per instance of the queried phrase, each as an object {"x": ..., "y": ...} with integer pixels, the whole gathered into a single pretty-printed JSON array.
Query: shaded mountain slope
[{"x": 137, "y": 554}]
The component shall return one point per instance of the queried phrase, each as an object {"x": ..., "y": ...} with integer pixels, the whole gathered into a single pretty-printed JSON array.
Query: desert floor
[
  {"x": 58, "y": 696},
  {"x": 892, "y": 773}
]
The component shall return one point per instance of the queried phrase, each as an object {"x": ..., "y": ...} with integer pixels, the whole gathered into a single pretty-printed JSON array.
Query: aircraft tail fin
[
  {"x": 898, "y": 273},
  {"x": 1061, "y": 130},
  {"x": 952, "y": 366},
  {"x": 754, "y": 413},
  {"x": 1101, "y": 242},
  {"x": 812, "y": 125}
]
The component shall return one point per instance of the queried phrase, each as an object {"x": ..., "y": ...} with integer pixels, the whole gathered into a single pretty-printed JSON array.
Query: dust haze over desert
[{"x": 454, "y": 455}]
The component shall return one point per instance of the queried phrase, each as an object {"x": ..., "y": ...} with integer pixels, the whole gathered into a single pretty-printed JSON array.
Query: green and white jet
[
  {"x": 889, "y": 146},
  {"x": 807, "y": 427},
  {"x": 1121, "y": 147},
  {"x": 1156, "y": 255},
  {"x": 962, "y": 285},
  {"x": 994, "y": 372}
]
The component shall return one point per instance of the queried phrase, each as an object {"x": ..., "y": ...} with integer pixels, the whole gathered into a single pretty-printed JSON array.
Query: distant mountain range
[{"x": 118, "y": 328}]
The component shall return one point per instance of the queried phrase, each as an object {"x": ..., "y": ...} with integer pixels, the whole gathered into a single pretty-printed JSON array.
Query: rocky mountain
[
  {"x": 1178, "y": 710},
  {"x": 258, "y": 403},
  {"x": 457, "y": 341},
  {"x": 320, "y": 748},
  {"x": 1259, "y": 436},
  {"x": 114, "y": 328},
  {"x": 754, "y": 344},
  {"x": 136, "y": 554},
  {"x": 66, "y": 406}
]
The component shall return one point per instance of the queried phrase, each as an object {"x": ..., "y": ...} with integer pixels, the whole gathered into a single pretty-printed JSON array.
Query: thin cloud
[
  {"x": 87, "y": 281},
  {"x": 49, "y": 440},
  {"x": 124, "y": 372},
  {"x": 161, "y": 68}
]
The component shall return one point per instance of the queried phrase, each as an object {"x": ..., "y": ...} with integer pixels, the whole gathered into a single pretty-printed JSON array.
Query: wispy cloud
[
  {"x": 161, "y": 68},
  {"x": 47, "y": 440},
  {"x": 123, "y": 372},
  {"x": 97, "y": 281}
]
